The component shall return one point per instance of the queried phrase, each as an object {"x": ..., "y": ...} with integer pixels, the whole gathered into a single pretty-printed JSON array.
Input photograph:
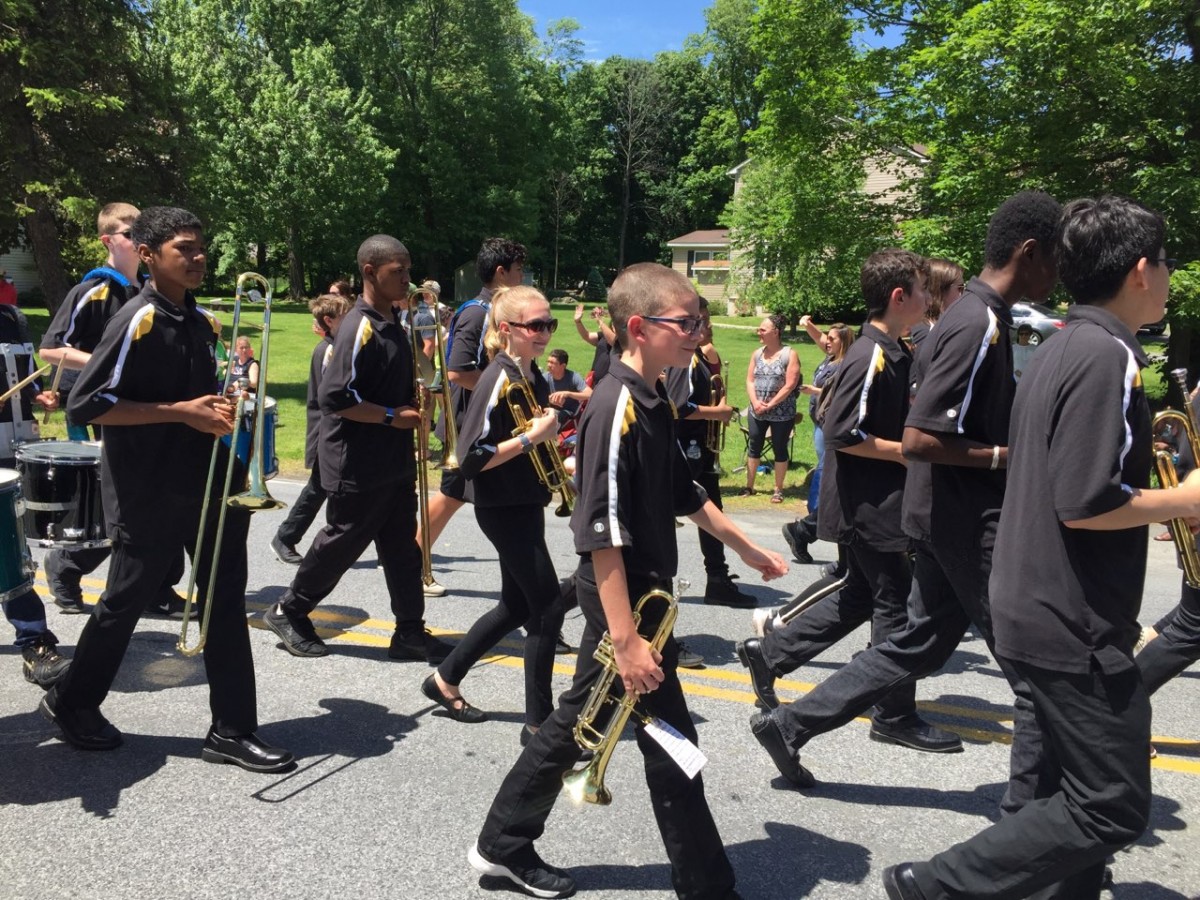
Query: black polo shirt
[
  {"x": 152, "y": 352},
  {"x": 321, "y": 355},
  {"x": 964, "y": 387},
  {"x": 860, "y": 497},
  {"x": 689, "y": 388},
  {"x": 80, "y": 319},
  {"x": 631, "y": 477},
  {"x": 371, "y": 362},
  {"x": 1080, "y": 442},
  {"x": 487, "y": 422}
]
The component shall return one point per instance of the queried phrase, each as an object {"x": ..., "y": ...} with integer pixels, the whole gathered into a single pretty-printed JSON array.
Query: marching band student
[
  {"x": 151, "y": 383},
  {"x": 632, "y": 483},
  {"x": 328, "y": 310},
  {"x": 510, "y": 502},
  {"x": 861, "y": 494},
  {"x": 365, "y": 452},
  {"x": 499, "y": 263},
  {"x": 1068, "y": 573},
  {"x": 73, "y": 334}
]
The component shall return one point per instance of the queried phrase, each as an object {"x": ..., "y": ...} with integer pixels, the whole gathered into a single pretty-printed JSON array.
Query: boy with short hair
[
  {"x": 368, "y": 403},
  {"x": 151, "y": 383},
  {"x": 1069, "y": 566},
  {"x": 328, "y": 310},
  {"x": 632, "y": 482},
  {"x": 73, "y": 335},
  {"x": 861, "y": 493}
]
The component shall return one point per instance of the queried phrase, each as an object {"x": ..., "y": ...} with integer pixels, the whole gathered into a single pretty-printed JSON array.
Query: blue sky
[{"x": 639, "y": 28}]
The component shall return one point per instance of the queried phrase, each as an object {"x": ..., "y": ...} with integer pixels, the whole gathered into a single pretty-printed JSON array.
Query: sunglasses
[
  {"x": 538, "y": 326},
  {"x": 126, "y": 233},
  {"x": 689, "y": 325},
  {"x": 1169, "y": 263}
]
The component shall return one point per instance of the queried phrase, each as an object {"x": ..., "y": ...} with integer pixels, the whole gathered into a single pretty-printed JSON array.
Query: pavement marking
[{"x": 709, "y": 683}]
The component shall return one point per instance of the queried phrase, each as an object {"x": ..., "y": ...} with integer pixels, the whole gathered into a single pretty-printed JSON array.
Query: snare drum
[
  {"x": 16, "y": 563},
  {"x": 270, "y": 463},
  {"x": 60, "y": 481}
]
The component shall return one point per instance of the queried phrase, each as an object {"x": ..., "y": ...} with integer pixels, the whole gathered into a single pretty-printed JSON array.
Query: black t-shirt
[
  {"x": 1063, "y": 597},
  {"x": 152, "y": 352},
  {"x": 631, "y": 477},
  {"x": 371, "y": 362},
  {"x": 860, "y": 497},
  {"x": 466, "y": 353},
  {"x": 604, "y": 356},
  {"x": 965, "y": 387},
  {"x": 487, "y": 422},
  {"x": 688, "y": 389}
]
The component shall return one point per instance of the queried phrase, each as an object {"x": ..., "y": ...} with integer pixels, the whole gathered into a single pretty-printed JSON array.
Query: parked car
[
  {"x": 1155, "y": 328},
  {"x": 1042, "y": 319}
]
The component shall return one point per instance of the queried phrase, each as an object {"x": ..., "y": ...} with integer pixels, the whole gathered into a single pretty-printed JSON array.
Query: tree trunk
[
  {"x": 295, "y": 267},
  {"x": 624, "y": 220},
  {"x": 42, "y": 233}
]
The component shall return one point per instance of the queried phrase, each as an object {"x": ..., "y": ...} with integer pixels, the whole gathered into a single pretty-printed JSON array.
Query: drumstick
[
  {"x": 54, "y": 389},
  {"x": 24, "y": 381}
]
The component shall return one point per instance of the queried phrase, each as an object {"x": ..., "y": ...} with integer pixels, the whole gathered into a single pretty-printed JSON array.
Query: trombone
[
  {"x": 423, "y": 392},
  {"x": 256, "y": 497},
  {"x": 439, "y": 384},
  {"x": 714, "y": 436},
  {"x": 1168, "y": 475},
  {"x": 547, "y": 462}
]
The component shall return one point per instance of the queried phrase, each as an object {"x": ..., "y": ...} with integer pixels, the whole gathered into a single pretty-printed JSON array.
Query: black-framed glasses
[
  {"x": 689, "y": 325},
  {"x": 538, "y": 326},
  {"x": 1171, "y": 264},
  {"x": 126, "y": 233}
]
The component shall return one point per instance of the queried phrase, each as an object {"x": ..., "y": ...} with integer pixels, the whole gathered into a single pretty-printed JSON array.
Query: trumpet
[
  {"x": 545, "y": 457},
  {"x": 1168, "y": 476},
  {"x": 256, "y": 497},
  {"x": 614, "y": 707}
]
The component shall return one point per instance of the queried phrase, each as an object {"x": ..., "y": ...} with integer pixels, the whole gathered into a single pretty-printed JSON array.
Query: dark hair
[
  {"x": 779, "y": 322},
  {"x": 884, "y": 271},
  {"x": 1022, "y": 217},
  {"x": 559, "y": 356},
  {"x": 158, "y": 224},
  {"x": 1099, "y": 241},
  {"x": 379, "y": 249},
  {"x": 344, "y": 288},
  {"x": 497, "y": 253}
]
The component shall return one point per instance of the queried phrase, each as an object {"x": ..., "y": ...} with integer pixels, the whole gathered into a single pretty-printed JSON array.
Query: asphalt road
[{"x": 389, "y": 794}]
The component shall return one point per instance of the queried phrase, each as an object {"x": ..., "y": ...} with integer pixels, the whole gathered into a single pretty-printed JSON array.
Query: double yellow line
[{"x": 1174, "y": 754}]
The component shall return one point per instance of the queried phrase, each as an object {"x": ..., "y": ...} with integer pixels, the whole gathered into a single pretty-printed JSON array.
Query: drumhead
[
  {"x": 63, "y": 453},
  {"x": 10, "y": 479},
  {"x": 252, "y": 403}
]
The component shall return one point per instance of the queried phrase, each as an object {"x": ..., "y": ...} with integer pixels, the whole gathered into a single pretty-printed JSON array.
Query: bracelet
[
  {"x": 388, "y": 414},
  {"x": 526, "y": 444},
  {"x": 995, "y": 457}
]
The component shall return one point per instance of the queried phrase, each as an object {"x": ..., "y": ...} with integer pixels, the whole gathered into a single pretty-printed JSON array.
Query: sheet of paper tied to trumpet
[{"x": 687, "y": 755}]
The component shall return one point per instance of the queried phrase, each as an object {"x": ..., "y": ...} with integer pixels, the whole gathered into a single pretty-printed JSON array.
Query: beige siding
[{"x": 21, "y": 268}]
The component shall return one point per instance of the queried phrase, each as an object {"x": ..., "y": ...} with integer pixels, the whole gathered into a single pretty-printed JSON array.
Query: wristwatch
[
  {"x": 526, "y": 444},
  {"x": 388, "y": 415}
]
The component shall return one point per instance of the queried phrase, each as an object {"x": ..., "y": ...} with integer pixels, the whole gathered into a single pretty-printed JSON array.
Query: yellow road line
[{"x": 715, "y": 684}]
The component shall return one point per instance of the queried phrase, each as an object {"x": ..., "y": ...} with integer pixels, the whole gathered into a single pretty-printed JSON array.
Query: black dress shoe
[
  {"x": 900, "y": 883},
  {"x": 466, "y": 713},
  {"x": 246, "y": 751},
  {"x": 297, "y": 634},
  {"x": 766, "y": 730},
  {"x": 919, "y": 735},
  {"x": 761, "y": 678},
  {"x": 286, "y": 553},
  {"x": 86, "y": 729}
]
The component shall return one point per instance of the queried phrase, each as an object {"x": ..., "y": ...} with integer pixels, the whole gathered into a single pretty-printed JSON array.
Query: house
[
  {"x": 703, "y": 256},
  {"x": 21, "y": 267}
]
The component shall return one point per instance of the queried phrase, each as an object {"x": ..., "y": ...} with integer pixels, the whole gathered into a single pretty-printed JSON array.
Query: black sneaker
[
  {"x": 833, "y": 570},
  {"x": 689, "y": 659},
  {"x": 285, "y": 553},
  {"x": 296, "y": 631},
  {"x": 721, "y": 591},
  {"x": 419, "y": 646},
  {"x": 537, "y": 879},
  {"x": 797, "y": 543},
  {"x": 67, "y": 597},
  {"x": 169, "y": 605},
  {"x": 43, "y": 664}
]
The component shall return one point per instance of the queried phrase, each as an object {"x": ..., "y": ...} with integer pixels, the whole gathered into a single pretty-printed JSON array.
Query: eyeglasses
[
  {"x": 1169, "y": 263},
  {"x": 538, "y": 326},
  {"x": 126, "y": 233},
  {"x": 689, "y": 325}
]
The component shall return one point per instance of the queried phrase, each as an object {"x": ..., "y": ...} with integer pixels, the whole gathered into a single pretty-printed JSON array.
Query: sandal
[
  {"x": 777, "y": 497},
  {"x": 746, "y": 492},
  {"x": 465, "y": 713}
]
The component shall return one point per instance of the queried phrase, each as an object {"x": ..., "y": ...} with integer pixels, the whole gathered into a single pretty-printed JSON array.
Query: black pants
[
  {"x": 135, "y": 573},
  {"x": 700, "y": 870},
  {"x": 1097, "y": 733},
  {"x": 387, "y": 515},
  {"x": 529, "y": 596},
  {"x": 876, "y": 590},
  {"x": 949, "y": 593},
  {"x": 66, "y": 566},
  {"x": 1177, "y": 645},
  {"x": 304, "y": 511},
  {"x": 711, "y": 548}
]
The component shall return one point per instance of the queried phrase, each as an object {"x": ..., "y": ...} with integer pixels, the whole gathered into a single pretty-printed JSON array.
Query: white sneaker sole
[
  {"x": 484, "y": 867},
  {"x": 760, "y": 618}
]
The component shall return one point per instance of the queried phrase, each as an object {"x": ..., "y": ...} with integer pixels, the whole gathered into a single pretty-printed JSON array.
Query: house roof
[{"x": 713, "y": 237}]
